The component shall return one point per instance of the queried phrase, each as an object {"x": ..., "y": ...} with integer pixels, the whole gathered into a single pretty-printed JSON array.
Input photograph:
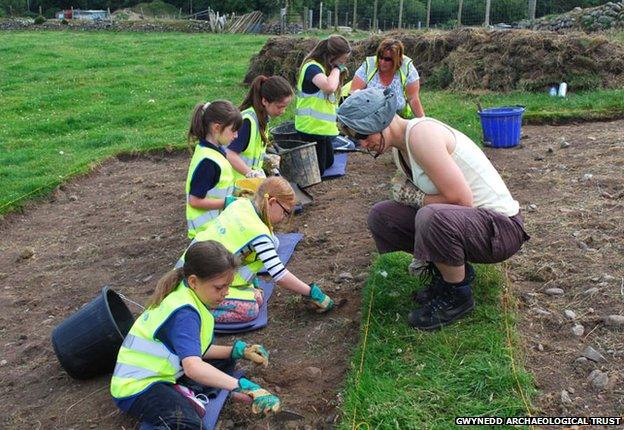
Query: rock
[
  {"x": 73, "y": 197},
  {"x": 564, "y": 144},
  {"x": 532, "y": 207},
  {"x": 312, "y": 374},
  {"x": 578, "y": 330},
  {"x": 591, "y": 291},
  {"x": 569, "y": 314},
  {"x": 565, "y": 398},
  {"x": 27, "y": 253},
  {"x": 554, "y": 291},
  {"x": 598, "y": 379},
  {"x": 3, "y": 363},
  {"x": 539, "y": 158},
  {"x": 593, "y": 355},
  {"x": 587, "y": 177},
  {"x": 550, "y": 150},
  {"x": 590, "y": 310},
  {"x": 344, "y": 277},
  {"x": 540, "y": 347},
  {"x": 608, "y": 278},
  {"x": 581, "y": 361},
  {"x": 541, "y": 311},
  {"x": 614, "y": 321}
]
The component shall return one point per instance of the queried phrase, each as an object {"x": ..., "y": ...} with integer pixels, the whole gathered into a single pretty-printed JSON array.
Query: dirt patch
[
  {"x": 123, "y": 226},
  {"x": 573, "y": 176},
  {"x": 474, "y": 59}
]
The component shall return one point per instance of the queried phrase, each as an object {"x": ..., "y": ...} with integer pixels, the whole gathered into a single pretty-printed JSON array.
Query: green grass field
[{"x": 70, "y": 100}]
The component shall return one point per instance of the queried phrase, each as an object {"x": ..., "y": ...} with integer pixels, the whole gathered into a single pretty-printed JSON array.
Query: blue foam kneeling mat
[
  {"x": 337, "y": 169},
  {"x": 213, "y": 409},
  {"x": 260, "y": 321}
]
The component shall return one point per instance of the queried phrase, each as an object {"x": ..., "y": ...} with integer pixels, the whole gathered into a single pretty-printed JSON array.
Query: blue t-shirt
[
  {"x": 241, "y": 142},
  {"x": 181, "y": 335},
  {"x": 207, "y": 173},
  {"x": 308, "y": 86}
]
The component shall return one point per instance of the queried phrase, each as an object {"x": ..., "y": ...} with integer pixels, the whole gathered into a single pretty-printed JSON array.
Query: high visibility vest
[
  {"x": 254, "y": 153},
  {"x": 235, "y": 228},
  {"x": 315, "y": 113},
  {"x": 197, "y": 219},
  {"x": 144, "y": 360},
  {"x": 371, "y": 69}
]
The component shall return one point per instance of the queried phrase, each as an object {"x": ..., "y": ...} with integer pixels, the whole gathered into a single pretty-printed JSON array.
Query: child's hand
[
  {"x": 254, "y": 353},
  {"x": 263, "y": 401},
  {"x": 321, "y": 300}
]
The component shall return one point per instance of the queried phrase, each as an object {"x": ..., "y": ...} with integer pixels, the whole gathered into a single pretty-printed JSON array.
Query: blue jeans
[{"x": 165, "y": 408}]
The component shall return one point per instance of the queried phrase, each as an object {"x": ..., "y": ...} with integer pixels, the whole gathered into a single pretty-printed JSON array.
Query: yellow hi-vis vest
[
  {"x": 371, "y": 69},
  {"x": 315, "y": 113},
  {"x": 144, "y": 360},
  {"x": 253, "y": 155},
  {"x": 236, "y": 227},
  {"x": 197, "y": 219}
]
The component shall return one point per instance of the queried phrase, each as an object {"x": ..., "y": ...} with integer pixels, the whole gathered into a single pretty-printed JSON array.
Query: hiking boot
[
  {"x": 452, "y": 302},
  {"x": 429, "y": 292}
]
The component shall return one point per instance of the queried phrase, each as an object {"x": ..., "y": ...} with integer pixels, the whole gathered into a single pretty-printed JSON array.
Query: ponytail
[
  {"x": 205, "y": 114},
  {"x": 206, "y": 260},
  {"x": 273, "y": 89}
]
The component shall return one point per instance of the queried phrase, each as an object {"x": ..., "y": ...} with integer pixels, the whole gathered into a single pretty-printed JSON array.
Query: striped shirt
[{"x": 265, "y": 251}]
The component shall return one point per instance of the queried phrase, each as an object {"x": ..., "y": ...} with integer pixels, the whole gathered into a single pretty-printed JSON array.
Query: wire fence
[{"x": 383, "y": 15}]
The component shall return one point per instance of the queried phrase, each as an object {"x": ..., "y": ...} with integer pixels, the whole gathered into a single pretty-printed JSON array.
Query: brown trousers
[{"x": 448, "y": 234}]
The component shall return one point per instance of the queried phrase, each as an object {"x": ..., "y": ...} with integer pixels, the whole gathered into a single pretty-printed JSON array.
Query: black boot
[
  {"x": 429, "y": 292},
  {"x": 452, "y": 302}
]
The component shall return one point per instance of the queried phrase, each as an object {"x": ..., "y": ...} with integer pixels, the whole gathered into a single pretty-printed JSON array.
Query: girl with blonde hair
[{"x": 245, "y": 228}]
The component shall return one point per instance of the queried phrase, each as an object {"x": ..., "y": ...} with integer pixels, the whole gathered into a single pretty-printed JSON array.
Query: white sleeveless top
[{"x": 488, "y": 189}]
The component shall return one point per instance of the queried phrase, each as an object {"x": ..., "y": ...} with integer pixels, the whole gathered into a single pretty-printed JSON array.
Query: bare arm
[
  {"x": 357, "y": 84},
  {"x": 218, "y": 352},
  {"x": 327, "y": 84},
  {"x": 432, "y": 154},
  {"x": 294, "y": 284},
  {"x": 206, "y": 374},
  {"x": 237, "y": 162},
  {"x": 413, "y": 98},
  {"x": 206, "y": 203}
]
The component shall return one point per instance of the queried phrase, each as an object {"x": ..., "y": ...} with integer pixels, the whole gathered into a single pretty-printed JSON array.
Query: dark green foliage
[{"x": 40, "y": 20}]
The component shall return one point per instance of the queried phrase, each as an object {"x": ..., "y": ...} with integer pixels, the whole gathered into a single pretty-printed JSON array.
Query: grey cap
[{"x": 368, "y": 111}]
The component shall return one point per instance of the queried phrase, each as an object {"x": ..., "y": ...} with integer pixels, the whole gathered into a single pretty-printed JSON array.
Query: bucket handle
[{"x": 131, "y": 301}]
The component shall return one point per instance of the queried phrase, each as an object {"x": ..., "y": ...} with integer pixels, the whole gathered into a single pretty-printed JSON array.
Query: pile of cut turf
[{"x": 475, "y": 59}]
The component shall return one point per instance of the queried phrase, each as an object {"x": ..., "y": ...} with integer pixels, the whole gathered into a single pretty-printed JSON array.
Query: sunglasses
[
  {"x": 286, "y": 211},
  {"x": 389, "y": 59}
]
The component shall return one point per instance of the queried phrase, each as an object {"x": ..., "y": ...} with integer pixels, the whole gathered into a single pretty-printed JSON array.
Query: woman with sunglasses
[
  {"x": 245, "y": 228},
  {"x": 318, "y": 87},
  {"x": 389, "y": 68},
  {"x": 461, "y": 210}
]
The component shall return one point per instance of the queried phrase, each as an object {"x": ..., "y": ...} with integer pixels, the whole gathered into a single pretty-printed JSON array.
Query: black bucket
[
  {"x": 285, "y": 131},
  {"x": 86, "y": 343}
]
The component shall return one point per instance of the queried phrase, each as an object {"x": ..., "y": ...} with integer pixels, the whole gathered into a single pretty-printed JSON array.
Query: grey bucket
[{"x": 299, "y": 163}]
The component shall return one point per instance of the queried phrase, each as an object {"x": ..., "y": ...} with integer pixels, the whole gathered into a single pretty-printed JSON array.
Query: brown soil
[
  {"x": 474, "y": 59},
  {"x": 123, "y": 226}
]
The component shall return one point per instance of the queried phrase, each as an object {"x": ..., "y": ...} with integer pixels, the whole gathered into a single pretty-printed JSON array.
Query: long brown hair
[
  {"x": 273, "y": 89},
  {"x": 206, "y": 260},
  {"x": 395, "y": 46},
  {"x": 218, "y": 112},
  {"x": 327, "y": 50},
  {"x": 273, "y": 186}
]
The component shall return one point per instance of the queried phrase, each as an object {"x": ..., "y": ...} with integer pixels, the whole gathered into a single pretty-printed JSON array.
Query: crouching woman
[{"x": 169, "y": 347}]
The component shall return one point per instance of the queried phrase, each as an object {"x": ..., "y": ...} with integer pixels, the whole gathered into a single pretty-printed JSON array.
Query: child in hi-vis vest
[
  {"x": 170, "y": 346},
  {"x": 267, "y": 98},
  {"x": 210, "y": 178},
  {"x": 245, "y": 228}
]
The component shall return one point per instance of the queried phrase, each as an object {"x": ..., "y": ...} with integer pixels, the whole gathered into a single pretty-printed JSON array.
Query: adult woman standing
[
  {"x": 389, "y": 68},
  {"x": 462, "y": 211},
  {"x": 318, "y": 88}
]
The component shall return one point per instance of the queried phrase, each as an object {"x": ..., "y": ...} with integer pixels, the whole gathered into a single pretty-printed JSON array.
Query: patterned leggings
[{"x": 238, "y": 311}]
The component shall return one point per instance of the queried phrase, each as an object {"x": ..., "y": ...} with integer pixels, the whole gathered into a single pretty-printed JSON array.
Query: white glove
[{"x": 255, "y": 174}]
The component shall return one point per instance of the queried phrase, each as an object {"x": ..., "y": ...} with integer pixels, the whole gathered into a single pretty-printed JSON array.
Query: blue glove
[
  {"x": 263, "y": 401},
  {"x": 255, "y": 353},
  {"x": 228, "y": 200},
  {"x": 320, "y": 299}
]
